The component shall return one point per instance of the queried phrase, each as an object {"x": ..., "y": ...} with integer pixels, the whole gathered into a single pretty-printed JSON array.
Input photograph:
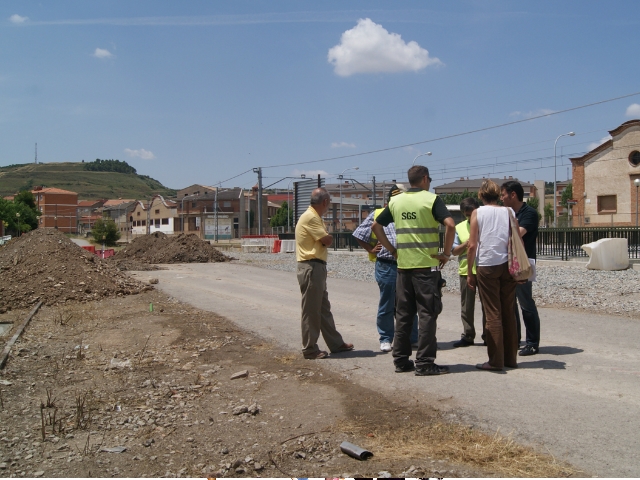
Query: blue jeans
[
  {"x": 386, "y": 274},
  {"x": 530, "y": 317}
]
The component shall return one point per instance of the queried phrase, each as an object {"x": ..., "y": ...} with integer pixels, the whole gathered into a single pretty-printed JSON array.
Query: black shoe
[
  {"x": 463, "y": 342},
  {"x": 431, "y": 369},
  {"x": 528, "y": 350},
  {"x": 407, "y": 367}
]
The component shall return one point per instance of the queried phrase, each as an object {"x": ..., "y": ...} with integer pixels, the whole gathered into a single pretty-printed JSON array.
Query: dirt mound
[
  {"x": 161, "y": 248},
  {"x": 46, "y": 265}
]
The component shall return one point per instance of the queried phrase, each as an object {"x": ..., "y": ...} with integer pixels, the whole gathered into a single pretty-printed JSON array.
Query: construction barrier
[
  {"x": 287, "y": 246},
  {"x": 109, "y": 252},
  {"x": 276, "y": 246},
  {"x": 258, "y": 243},
  {"x": 89, "y": 248}
]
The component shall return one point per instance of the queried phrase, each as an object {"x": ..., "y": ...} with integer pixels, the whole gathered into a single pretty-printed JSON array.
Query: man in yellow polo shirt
[{"x": 312, "y": 240}]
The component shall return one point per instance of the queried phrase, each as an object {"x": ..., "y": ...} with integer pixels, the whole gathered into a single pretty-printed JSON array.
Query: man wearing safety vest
[
  {"x": 467, "y": 295},
  {"x": 386, "y": 269},
  {"x": 417, "y": 214}
]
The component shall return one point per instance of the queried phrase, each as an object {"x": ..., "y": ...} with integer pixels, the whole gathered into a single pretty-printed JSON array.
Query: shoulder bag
[{"x": 519, "y": 266}]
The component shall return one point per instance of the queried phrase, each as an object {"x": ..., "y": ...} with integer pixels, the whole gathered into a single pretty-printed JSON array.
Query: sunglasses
[{"x": 429, "y": 178}]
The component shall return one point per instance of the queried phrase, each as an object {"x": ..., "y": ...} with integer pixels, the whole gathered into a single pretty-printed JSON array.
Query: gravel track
[{"x": 615, "y": 293}]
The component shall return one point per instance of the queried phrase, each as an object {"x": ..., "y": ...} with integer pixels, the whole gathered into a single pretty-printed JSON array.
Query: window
[
  {"x": 157, "y": 211},
  {"x": 226, "y": 204},
  {"x": 165, "y": 221},
  {"x": 193, "y": 204},
  {"x": 144, "y": 223},
  {"x": 634, "y": 158},
  {"x": 157, "y": 222},
  {"x": 607, "y": 203}
]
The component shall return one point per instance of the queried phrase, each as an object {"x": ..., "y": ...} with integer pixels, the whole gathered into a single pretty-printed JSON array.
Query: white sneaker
[{"x": 385, "y": 346}]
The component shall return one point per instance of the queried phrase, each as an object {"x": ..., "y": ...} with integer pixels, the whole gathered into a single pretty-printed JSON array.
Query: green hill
[{"x": 90, "y": 185}]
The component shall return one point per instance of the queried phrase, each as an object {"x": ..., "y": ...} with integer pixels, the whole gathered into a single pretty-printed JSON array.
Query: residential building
[
  {"x": 603, "y": 180},
  {"x": 119, "y": 211},
  {"x": 159, "y": 215},
  {"x": 195, "y": 189},
  {"x": 58, "y": 208},
  {"x": 464, "y": 184}
]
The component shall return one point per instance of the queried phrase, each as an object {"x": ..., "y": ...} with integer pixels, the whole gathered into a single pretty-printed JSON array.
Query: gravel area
[{"x": 615, "y": 293}]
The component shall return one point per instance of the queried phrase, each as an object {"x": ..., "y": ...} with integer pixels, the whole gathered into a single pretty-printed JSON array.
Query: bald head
[{"x": 320, "y": 199}]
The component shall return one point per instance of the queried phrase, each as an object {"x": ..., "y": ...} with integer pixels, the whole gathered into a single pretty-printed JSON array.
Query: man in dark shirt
[
  {"x": 512, "y": 195},
  {"x": 417, "y": 214}
]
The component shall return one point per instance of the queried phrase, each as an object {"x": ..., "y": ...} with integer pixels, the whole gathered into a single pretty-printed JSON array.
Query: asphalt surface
[{"x": 578, "y": 399}]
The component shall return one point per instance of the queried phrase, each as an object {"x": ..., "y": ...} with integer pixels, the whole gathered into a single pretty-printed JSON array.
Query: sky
[{"x": 206, "y": 91}]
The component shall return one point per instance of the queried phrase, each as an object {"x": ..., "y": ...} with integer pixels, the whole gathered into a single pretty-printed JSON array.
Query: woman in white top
[{"x": 488, "y": 246}]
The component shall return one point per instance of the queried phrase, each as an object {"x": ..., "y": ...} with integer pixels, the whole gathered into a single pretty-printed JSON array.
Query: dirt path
[{"x": 579, "y": 398}]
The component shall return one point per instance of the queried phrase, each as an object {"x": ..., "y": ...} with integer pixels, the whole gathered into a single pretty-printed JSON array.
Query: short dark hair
[
  {"x": 513, "y": 186},
  {"x": 319, "y": 195},
  {"x": 416, "y": 173},
  {"x": 469, "y": 203}
]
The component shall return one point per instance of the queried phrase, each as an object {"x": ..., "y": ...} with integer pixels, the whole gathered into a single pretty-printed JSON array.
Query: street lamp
[
  {"x": 340, "y": 177},
  {"x": 55, "y": 222},
  {"x": 18, "y": 216},
  {"x": 421, "y": 155},
  {"x": 637, "y": 184},
  {"x": 555, "y": 206}
]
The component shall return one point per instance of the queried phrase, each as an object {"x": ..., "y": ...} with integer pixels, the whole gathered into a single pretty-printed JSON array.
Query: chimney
[{"x": 510, "y": 177}]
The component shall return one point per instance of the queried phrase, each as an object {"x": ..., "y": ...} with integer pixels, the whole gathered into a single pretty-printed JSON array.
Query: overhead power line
[{"x": 445, "y": 137}]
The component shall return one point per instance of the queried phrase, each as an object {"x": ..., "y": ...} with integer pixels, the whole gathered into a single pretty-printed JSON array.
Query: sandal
[
  {"x": 488, "y": 367},
  {"x": 346, "y": 347},
  {"x": 317, "y": 355}
]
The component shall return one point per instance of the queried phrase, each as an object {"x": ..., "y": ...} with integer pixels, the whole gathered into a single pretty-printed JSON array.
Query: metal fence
[{"x": 564, "y": 243}]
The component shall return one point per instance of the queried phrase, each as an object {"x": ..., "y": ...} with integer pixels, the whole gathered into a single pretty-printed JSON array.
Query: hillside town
[{"x": 603, "y": 187}]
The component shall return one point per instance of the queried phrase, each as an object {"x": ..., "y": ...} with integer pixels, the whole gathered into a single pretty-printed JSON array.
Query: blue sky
[{"x": 202, "y": 91}]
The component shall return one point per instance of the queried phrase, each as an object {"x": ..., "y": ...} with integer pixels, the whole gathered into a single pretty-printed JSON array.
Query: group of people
[{"x": 403, "y": 240}]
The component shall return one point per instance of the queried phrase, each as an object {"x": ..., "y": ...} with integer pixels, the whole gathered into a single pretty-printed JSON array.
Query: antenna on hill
[{"x": 36, "y": 153}]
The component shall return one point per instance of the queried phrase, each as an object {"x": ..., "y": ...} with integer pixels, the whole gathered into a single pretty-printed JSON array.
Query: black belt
[
  {"x": 316, "y": 260},
  {"x": 417, "y": 270},
  {"x": 386, "y": 260}
]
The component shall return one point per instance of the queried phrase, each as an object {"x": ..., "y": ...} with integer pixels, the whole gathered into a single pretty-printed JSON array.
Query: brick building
[
  {"x": 603, "y": 180},
  {"x": 58, "y": 208}
]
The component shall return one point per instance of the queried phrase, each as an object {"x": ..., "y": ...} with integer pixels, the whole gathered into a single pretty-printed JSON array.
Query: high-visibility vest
[
  {"x": 416, "y": 229},
  {"x": 463, "y": 231},
  {"x": 373, "y": 239}
]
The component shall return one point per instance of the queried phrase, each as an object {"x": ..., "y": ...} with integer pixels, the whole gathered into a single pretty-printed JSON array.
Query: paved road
[{"x": 578, "y": 399}]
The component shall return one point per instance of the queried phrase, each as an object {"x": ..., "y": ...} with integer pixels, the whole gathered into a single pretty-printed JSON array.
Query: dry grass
[
  {"x": 286, "y": 359},
  {"x": 497, "y": 455}
]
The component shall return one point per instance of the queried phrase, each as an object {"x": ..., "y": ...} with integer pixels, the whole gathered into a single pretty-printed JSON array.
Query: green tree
[
  {"x": 456, "y": 198},
  {"x": 548, "y": 213},
  {"x": 105, "y": 231},
  {"x": 567, "y": 194},
  {"x": 280, "y": 218}
]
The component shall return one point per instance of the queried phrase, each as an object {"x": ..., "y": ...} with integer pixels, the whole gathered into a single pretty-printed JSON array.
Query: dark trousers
[
  {"x": 498, "y": 292},
  {"x": 530, "y": 317},
  {"x": 416, "y": 292},
  {"x": 467, "y": 310}
]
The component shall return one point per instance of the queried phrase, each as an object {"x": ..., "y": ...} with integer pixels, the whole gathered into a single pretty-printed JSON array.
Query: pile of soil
[
  {"x": 161, "y": 248},
  {"x": 45, "y": 265}
]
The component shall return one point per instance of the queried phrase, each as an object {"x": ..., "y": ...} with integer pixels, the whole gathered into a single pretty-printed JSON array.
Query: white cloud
[
  {"x": 343, "y": 145},
  {"x": 633, "y": 110},
  {"x": 141, "y": 153},
  {"x": 593, "y": 145},
  {"x": 15, "y": 18},
  {"x": 532, "y": 113},
  {"x": 370, "y": 48},
  {"x": 102, "y": 53}
]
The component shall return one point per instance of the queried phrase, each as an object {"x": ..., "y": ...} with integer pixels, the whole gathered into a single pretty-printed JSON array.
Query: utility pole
[
  {"x": 215, "y": 214},
  {"x": 374, "y": 193},
  {"x": 36, "y": 153},
  {"x": 258, "y": 170}
]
